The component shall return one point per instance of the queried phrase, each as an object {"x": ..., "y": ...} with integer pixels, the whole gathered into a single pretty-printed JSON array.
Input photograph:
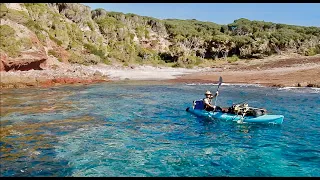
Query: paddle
[{"x": 220, "y": 82}]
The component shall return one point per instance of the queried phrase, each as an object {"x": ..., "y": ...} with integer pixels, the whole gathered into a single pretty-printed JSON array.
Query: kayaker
[{"x": 208, "y": 99}]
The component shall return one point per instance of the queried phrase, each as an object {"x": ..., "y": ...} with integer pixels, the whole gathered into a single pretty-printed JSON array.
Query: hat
[{"x": 208, "y": 93}]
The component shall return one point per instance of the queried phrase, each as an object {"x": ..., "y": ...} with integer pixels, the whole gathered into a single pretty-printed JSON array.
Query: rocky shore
[
  {"x": 54, "y": 74},
  {"x": 58, "y": 73},
  {"x": 285, "y": 72}
]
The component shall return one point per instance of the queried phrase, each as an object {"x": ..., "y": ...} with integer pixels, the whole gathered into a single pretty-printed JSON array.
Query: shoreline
[
  {"x": 298, "y": 72},
  {"x": 291, "y": 72}
]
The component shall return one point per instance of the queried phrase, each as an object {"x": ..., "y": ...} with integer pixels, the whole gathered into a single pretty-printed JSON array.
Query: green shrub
[
  {"x": 57, "y": 41},
  {"x": 106, "y": 61},
  {"x": 189, "y": 66},
  {"x": 94, "y": 50},
  {"x": 20, "y": 17},
  {"x": 232, "y": 59},
  {"x": 92, "y": 59},
  {"x": 125, "y": 64},
  {"x": 76, "y": 58},
  {"x": 91, "y": 26},
  {"x": 313, "y": 51},
  {"x": 3, "y": 10},
  {"x": 8, "y": 42},
  {"x": 178, "y": 64}
]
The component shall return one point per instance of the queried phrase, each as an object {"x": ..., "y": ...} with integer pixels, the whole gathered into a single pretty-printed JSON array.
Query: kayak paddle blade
[{"x": 220, "y": 80}]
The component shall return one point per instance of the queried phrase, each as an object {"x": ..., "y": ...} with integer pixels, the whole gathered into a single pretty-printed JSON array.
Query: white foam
[
  {"x": 283, "y": 88},
  {"x": 223, "y": 84},
  {"x": 301, "y": 89}
]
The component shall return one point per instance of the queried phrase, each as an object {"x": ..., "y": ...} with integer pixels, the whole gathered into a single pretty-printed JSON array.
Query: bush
[
  {"x": 189, "y": 60},
  {"x": 57, "y": 41},
  {"x": 20, "y": 17},
  {"x": 91, "y": 26},
  {"x": 3, "y": 10},
  {"x": 87, "y": 59},
  {"x": 94, "y": 50},
  {"x": 125, "y": 64},
  {"x": 178, "y": 64},
  {"x": 232, "y": 59},
  {"x": 76, "y": 58},
  {"x": 8, "y": 42},
  {"x": 92, "y": 59},
  {"x": 313, "y": 51}
]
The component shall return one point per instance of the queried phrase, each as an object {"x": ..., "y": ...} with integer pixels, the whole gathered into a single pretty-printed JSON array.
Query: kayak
[{"x": 264, "y": 119}]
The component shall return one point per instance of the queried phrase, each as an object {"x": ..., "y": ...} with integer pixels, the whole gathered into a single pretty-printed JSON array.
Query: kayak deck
[{"x": 264, "y": 119}]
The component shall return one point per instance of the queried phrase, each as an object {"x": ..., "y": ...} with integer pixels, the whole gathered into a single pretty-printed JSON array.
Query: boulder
[{"x": 28, "y": 60}]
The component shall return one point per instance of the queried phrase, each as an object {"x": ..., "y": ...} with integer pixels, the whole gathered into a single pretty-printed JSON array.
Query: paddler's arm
[
  {"x": 216, "y": 94},
  {"x": 206, "y": 102}
]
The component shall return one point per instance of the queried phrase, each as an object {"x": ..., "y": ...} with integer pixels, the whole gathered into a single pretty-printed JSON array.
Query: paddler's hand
[{"x": 217, "y": 93}]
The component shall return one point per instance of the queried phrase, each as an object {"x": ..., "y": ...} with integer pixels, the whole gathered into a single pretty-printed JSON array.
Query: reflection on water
[{"x": 142, "y": 129}]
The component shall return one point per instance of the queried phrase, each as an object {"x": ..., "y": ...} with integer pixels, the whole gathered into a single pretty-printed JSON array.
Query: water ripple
[{"x": 119, "y": 129}]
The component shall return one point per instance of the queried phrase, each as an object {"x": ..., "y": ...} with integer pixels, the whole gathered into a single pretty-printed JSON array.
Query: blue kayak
[{"x": 264, "y": 119}]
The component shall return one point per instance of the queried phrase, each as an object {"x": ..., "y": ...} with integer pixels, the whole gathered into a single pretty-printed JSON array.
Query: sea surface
[{"x": 142, "y": 129}]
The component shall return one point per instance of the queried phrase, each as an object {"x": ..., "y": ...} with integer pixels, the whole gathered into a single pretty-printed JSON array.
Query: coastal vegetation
[{"x": 100, "y": 36}]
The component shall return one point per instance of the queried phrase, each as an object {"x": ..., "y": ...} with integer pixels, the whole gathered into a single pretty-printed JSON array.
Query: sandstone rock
[
  {"x": 27, "y": 61},
  {"x": 10, "y": 79},
  {"x": 28, "y": 80},
  {"x": 302, "y": 84},
  {"x": 59, "y": 80},
  {"x": 97, "y": 73},
  {"x": 71, "y": 80},
  {"x": 34, "y": 58}
]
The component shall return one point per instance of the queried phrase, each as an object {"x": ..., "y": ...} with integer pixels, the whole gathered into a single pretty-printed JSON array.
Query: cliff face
[{"x": 33, "y": 34}]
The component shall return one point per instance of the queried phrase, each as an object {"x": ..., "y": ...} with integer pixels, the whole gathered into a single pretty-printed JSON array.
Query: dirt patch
[{"x": 290, "y": 62}]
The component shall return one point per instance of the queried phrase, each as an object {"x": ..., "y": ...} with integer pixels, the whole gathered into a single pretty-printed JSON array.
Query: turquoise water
[{"x": 142, "y": 129}]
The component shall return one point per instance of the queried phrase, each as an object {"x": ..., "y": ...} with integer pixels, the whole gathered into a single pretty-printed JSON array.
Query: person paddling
[{"x": 208, "y": 99}]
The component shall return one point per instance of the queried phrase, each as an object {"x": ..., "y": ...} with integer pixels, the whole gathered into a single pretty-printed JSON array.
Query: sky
[{"x": 303, "y": 14}]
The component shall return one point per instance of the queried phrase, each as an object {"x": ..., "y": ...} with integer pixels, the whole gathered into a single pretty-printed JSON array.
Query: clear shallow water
[{"x": 142, "y": 129}]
